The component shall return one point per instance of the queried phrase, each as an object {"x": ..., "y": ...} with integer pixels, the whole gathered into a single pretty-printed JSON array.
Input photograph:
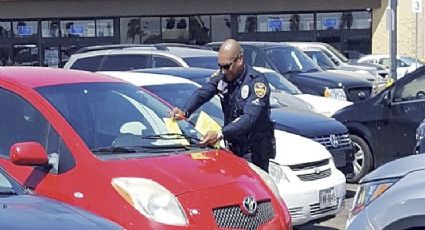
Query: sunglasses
[{"x": 228, "y": 65}]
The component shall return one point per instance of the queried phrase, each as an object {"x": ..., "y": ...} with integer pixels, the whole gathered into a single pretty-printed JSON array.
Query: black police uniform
[{"x": 247, "y": 129}]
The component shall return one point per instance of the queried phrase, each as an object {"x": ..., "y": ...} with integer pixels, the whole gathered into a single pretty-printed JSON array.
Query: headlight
[
  {"x": 335, "y": 93},
  {"x": 266, "y": 178},
  {"x": 367, "y": 193},
  {"x": 277, "y": 173},
  {"x": 151, "y": 199}
]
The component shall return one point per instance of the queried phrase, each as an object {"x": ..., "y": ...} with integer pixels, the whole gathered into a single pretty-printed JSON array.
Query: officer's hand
[
  {"x": 177, "y": 114},
  {"x": 210, "y": 139}
]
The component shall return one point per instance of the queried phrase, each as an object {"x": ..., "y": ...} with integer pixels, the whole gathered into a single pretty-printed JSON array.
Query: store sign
[
  {"x": 275, "y": 24},
  {"x": 77, "y": 30},
  {"x": 24, "y": 30},
  {"x": 329, "y": 23}
]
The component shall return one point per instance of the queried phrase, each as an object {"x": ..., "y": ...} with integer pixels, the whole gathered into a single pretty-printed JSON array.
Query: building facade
[{"x": 47, "y": 32}]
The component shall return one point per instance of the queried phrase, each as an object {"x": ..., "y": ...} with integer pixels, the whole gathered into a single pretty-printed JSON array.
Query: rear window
[
  {"x": 88, "y": 64},
  {"x": 126, "y": 62}
]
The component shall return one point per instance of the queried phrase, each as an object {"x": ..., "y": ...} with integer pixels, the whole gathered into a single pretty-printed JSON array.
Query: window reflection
[
  {"x": 361, "y": 20},
  {"x": 82, "y": 28},
  {"x": 220, "y": 27},
  {"x": 5, "y": 29},
  {"x": 49, "y": 29},
  {"x": 151, "y": 28},
  {"x": 247, "y": 23},
  {"x": 175, "y": 29},
  {"x": 130, "y": 30},
  {"x": 199, "y": 30},
  {"x": 25, "y": 29},
  {"x": 105, "y": 28}
]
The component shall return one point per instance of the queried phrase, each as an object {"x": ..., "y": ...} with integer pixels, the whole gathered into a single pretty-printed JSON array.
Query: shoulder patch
[{"x": 260, "y": 89}]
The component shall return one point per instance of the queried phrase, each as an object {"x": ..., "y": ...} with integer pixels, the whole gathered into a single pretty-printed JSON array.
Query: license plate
[{"x": 327, "y": 198}]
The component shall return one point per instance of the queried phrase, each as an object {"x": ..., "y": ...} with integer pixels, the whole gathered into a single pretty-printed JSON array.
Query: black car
[
  {"x": 420, "y": 140},
  {"x": 383, "y": 127},
  {"x": 299, "y": 69},
  {"x": 330, "y": 133}
]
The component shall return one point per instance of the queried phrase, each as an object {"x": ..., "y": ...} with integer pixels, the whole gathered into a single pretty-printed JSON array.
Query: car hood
[
  {"x": 397, "y": 168},
  {"x": 333, "y": 80},
  {"x": 186, "y": 172},
  {"x": 293, "y": 149},
  {"x": 366, "y": 76},
  {"x": 286, "y": 99},
  {"x": 35, "y": 212},
  {"x": 305, "y": 124},
  {"x": 323, "y": 105},
  {"x": 360, "y": 111}
]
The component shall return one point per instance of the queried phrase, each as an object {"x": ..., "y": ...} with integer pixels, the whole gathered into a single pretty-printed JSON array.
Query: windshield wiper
[
  {"x": 7, "y": 192},
  {"x": 170, "y": 136},
  {"x": 118, "y": 149},
  {"x": 311, "y": 70}
]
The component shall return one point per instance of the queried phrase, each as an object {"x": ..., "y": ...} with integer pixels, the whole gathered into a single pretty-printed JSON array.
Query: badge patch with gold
[{"x": 260, "y": 89}]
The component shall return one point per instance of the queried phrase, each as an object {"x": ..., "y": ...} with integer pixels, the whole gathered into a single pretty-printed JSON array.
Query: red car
[{"x": 103, "y": 145}]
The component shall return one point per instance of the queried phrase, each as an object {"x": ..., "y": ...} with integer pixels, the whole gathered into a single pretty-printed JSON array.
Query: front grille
[
  {"x": 309, "y": 165},
  {"x": 234, "y": 217},
  {"x": 358, "y": 94},
  {"x": 296, "y": 213},
  {"x": 315, "y": 209},
  {"x": 342, "y": 141},
  {"x": 315, "y": 176}
]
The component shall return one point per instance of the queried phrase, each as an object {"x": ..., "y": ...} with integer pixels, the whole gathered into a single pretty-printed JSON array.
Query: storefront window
[
  {"x": 301, "y": 22},
  {"x": 175, "y": 29},
  {"x": 359, "y": 20},
  {"x": 50, "y": 29},
  {"x": 130, "y": 30},
  {"x": 105, "y": 28},
  {"x": 151, "y": 30},
  {"x": 81, "y": 28},
  {"x": 199, "y": 30},
  {"x": 5, "y": 29},
  {"x": 247, "y": 23},
  {"x": 25, "y": 29},
  {"x": 276, "y": 22},
  {"x": 331, "y": 21},
  {"x": 220, "y": 27}
]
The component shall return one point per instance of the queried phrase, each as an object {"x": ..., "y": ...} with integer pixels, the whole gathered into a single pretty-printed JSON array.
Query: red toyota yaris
[{"x": 103, "y": 145}]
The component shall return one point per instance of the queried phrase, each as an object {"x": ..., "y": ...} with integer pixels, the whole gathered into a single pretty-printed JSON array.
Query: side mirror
[
  {"x": 28, "y": 154},
  {"x": 386, "y": 98}
]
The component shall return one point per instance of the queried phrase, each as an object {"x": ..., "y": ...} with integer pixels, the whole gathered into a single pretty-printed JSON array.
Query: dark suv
[
  {"x": 383, "y": 127},
  {"x": 299, "y": 69}
]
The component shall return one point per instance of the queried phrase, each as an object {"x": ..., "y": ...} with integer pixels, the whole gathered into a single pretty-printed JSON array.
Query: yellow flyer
[
  {"x": 173, "y": 127},
  {"x": 205, "y": 123}
]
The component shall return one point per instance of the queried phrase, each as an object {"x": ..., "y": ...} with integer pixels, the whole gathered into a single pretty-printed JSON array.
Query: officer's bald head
[{"x": 230, "y": 59}]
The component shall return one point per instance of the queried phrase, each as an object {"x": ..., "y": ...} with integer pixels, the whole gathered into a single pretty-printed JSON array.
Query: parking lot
[{"x": 338, "y": 222}]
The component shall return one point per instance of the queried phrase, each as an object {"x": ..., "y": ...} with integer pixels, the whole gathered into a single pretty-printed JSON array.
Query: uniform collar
[{"x": 241, "y": 78}]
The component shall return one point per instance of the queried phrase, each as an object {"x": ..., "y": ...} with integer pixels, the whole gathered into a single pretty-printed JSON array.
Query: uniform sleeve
[
  {"x": 201, "y": 95},
  {"x": 256, "y": 104}
]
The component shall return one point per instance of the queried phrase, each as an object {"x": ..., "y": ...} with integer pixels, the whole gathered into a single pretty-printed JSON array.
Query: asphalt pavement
[{"x": 337, "y": 222}]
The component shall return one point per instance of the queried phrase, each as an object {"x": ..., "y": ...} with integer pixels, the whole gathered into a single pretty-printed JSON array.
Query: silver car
[{"x": 391, "y": 197}]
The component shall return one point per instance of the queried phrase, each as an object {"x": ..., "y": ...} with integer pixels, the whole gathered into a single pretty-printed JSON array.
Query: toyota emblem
[
  {"x": 333, "y": 140},
  {"x": 249, "y": 205}
]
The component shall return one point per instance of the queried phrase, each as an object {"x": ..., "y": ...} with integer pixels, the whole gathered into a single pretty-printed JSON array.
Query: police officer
[{"x": 244, "y": 93}]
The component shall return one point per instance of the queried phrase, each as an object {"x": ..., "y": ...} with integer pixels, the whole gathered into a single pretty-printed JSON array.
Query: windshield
[
  {"x": 114, "y": 115},
  {"x": 337, "y": 53},
  {"x": 321, "y": 59},
  {"x": 209, "y": 62},
  {"x": 290, "y": 59},
  {"x": 280, "y": 83},
  {"x": 9, "y": 186},
  {"x": 178, "y": 94},
  {"x": 410, "y": 60}
]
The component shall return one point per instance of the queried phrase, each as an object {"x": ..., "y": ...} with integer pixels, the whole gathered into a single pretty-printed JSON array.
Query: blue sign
[
  {"x": 329, "y": 23},
  {"x": 24, "y": 30},
  {"x": 275, "y": 25},
  {"x": 77, "y": 30}
]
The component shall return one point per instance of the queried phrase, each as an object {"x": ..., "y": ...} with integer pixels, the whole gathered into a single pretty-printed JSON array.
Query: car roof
[
  {"x": 256, "y": 44},
  {"x": 157, "y": 46},
  {"x": 147, "y": 79},
  {"x": 189, "y": 52},
  {"x": 185, "y": 72},
  {"x": 33, "y": 77}
]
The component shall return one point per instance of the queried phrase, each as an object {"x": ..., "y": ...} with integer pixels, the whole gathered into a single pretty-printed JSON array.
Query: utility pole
[
  {"x": 392, "y": 16},
  {"x": 416, "y": 8}
]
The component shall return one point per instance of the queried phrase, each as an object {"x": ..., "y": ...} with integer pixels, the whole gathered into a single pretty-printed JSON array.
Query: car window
[
  {"x": 126, "y": 62},
  {"x": 209, "y": 62},
  {"x": 289, "y": 59},
  {"x": 414, "y": 90},
  {"x": 253, "y": 58},
  {"x": 321, "y": 59},
  {"x": 21, "y": 122},
  {"x": 116, "y": 114},
  {"x": 164, "y": 62},
  {"x": 88, "y": 63},
  {"x": 281, "y": 83},
  {"x": 8, "y": 183}
]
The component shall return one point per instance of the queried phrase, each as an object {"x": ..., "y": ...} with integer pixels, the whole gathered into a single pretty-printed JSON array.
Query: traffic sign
[{"x": 417, "y": 6}]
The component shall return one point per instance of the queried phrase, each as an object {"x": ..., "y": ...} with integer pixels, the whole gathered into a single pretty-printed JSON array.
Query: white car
[
  {"x": 323, "y": 105},
  {"x": 304, "y": 170},
  {"x": 405, "y": 64}
]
